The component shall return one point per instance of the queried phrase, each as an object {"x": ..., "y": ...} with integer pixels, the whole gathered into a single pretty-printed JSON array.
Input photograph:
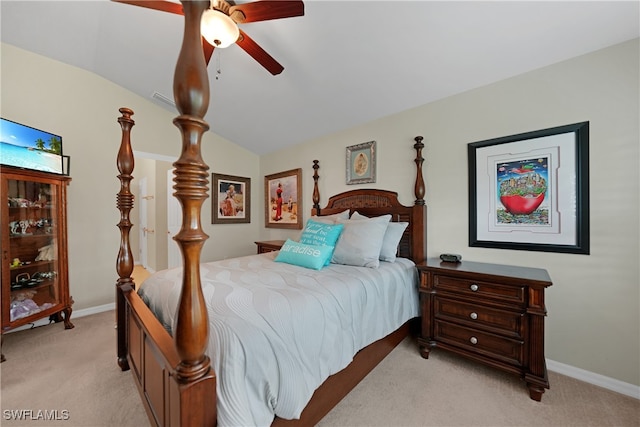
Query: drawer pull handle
[
  {"x": 474, "y": 316},
  {"x": 473, "y": 287},
  {"x": 473, "y": 340}
]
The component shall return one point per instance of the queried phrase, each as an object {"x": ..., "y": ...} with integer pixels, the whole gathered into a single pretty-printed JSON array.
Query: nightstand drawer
[
  {"x": 484, "y": 290},
  {"x": 269, "y": 246},
  {"x": 508, "y": 323},
  {"x": 484, "y": 343}
]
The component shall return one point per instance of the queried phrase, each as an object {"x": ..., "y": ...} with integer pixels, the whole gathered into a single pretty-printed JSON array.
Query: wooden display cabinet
[{"x": 35, "y": 279}]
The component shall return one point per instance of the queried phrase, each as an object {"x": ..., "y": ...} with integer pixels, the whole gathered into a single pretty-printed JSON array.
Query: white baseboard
[
  {"x": 94, "y": 310},
  {"x": 595, "y": 379}
]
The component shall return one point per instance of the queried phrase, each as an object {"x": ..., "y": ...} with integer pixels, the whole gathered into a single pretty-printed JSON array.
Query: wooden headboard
[{"x": 373, "y": 202}]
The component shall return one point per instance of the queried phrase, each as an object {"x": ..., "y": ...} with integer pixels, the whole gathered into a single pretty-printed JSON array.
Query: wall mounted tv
[{"x": 29, "y": 148}]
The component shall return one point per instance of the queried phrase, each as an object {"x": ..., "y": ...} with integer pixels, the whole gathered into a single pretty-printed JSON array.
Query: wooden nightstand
[
  {"x": 269, "y": 245},
  {"x": 487, "y": 312}
]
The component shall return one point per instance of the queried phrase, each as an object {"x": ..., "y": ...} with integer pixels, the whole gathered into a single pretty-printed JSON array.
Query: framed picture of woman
[
  {"x": 283, "y": 199},
  {"x": 231, "y": 199}
]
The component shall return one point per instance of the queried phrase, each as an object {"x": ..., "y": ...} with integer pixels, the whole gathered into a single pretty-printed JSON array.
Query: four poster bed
[{"x": 181, "y": 332}]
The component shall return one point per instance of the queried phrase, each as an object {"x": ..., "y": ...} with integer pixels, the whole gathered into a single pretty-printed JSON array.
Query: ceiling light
[{"x": 218, "y": 29}]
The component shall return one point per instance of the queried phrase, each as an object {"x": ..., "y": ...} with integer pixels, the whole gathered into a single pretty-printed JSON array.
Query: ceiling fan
[{"x": 263, "y": 10}]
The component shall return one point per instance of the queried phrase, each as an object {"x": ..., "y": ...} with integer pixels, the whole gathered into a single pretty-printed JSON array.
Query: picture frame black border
[{"x": 582, "y": 238}]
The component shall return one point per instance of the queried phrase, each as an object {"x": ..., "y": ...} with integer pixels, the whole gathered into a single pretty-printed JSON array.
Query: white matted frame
[{"x": 530, "y": 191}]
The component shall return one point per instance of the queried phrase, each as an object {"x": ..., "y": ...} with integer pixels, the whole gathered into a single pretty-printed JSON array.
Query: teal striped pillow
[{"x": 309, "y": 256}]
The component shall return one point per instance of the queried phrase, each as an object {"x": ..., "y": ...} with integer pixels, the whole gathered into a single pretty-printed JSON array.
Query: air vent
[{"x": 166, "y": 100}]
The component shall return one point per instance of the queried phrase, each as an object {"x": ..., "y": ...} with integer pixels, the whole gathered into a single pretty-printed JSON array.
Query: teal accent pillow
[
  {"x": 318, "y": 233},
  {"x": 309, "y": 256}
]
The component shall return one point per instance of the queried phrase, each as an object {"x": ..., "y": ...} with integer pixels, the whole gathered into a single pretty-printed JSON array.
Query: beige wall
[
  {"x": 83, "y": 108},
  {"x": 593, "y": 307},
  {"x": 593, "y": 322}
]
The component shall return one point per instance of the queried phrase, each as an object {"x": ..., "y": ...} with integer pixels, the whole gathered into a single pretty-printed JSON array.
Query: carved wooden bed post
[
  {"x": 419, "y": 188},
  {"x": 316, "y": 192},
  {"x": 419, "y": 244},
  {"x": 176, "y": 381},
  {"x": 124, "y": 265},
  {"x": 191, "y": 93}
]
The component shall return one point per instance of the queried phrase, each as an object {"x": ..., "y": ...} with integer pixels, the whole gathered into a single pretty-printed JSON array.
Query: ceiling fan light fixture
[{"x": 218, "y": 29}]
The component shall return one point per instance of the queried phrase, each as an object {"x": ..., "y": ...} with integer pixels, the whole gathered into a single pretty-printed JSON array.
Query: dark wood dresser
[
  {"x": 269, "y": 245},
  {"x": 487, "y": 312}
]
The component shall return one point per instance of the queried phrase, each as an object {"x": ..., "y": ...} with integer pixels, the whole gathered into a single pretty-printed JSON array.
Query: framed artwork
[
  {"x": 531, "y": 191},
  {"x": 361, "y": 163},
  {"x": 231, "y": 199},
  {"x": 283, "y": 199}
]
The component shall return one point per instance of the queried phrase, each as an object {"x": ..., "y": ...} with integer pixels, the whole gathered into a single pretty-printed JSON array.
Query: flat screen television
[{"x": 29, "y": 148}]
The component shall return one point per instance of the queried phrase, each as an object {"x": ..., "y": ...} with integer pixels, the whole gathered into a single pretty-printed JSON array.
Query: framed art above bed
[
  {"x": 361, "y": 163},
  {"x": 283, "y": 199}
]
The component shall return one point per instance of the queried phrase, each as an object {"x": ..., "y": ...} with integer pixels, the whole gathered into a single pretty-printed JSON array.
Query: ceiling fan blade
[
  {"x": 266, "y": 10},
  {"x": 164, "y": 6},
  {"x": 208, "y": 50},
  {"x": 259, "y": 54}
]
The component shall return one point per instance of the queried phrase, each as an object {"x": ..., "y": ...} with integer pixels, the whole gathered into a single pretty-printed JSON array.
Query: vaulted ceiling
[{"x": 345, "y": 62}]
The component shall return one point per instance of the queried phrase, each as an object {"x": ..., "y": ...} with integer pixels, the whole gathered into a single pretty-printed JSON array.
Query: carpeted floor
[
  {"x": 50, "y": 368},
  {"x": 73, "y": 374}
]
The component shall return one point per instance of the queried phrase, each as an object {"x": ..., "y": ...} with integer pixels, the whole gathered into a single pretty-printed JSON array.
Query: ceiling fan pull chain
[{"x": 218, "y": 71}]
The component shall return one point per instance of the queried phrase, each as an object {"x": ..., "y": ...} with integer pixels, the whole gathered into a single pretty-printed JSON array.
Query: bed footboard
[
  {"x": 144, "y": 346},
  {"x": 153, "y": 360}
]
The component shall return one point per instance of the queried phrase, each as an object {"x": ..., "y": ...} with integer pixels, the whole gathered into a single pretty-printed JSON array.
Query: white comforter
[{"x": 277, "y": 331}]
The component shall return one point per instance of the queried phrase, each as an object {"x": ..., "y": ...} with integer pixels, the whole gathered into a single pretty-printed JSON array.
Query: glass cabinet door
[{"x": 31, "y": 250}]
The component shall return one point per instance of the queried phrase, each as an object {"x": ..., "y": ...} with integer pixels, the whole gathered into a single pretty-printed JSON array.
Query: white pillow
[
  {"x": 361, "y": 241},
  {"x": 331, "y": 219},
  {"x": 391, "y": 240}
]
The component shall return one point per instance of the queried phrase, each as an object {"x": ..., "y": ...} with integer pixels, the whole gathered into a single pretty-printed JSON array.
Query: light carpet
[{"x": 74, "y": 372}]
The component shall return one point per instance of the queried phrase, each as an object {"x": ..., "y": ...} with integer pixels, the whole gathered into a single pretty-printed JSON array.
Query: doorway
[
  {"x": 152, "y": 171},
  {"x": 174, "y": 221},
  {"x": 143, "y": 221}
]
